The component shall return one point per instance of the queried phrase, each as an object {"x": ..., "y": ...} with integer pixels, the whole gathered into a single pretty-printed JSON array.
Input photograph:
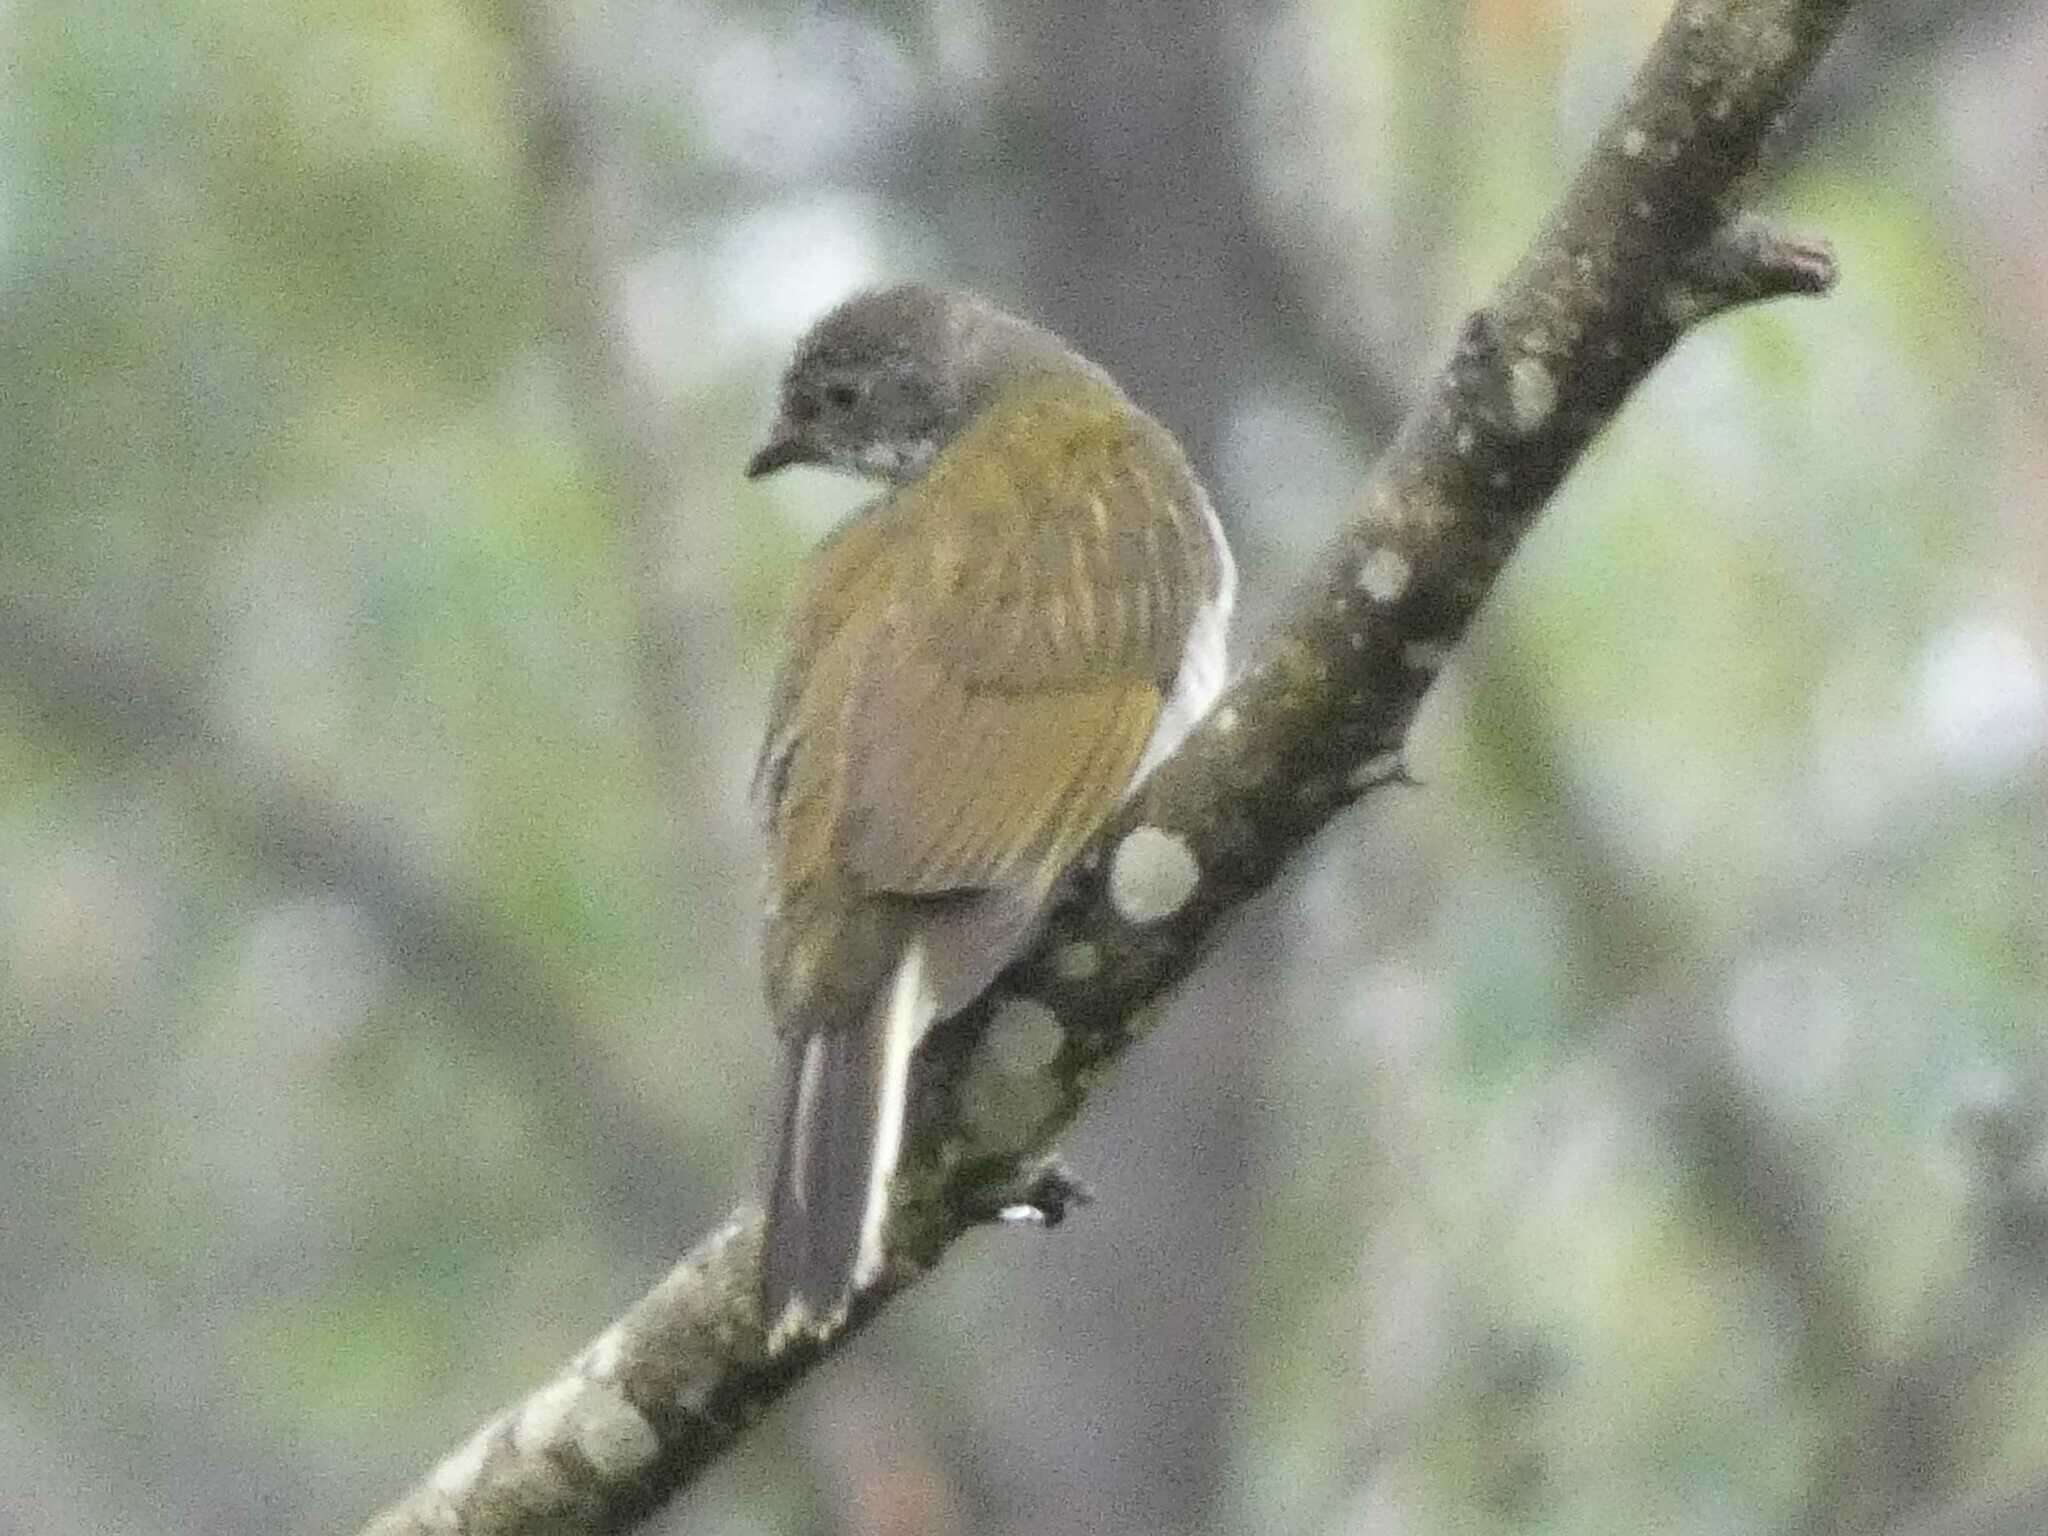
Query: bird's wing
[
  {"x": 992, "y": 787},
  {"x": 972, "y": 726},
  {"x": 837, "y": 569}
]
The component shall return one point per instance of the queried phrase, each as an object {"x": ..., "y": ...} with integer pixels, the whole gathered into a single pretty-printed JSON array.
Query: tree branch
[{"x": 1640, "y": 251}]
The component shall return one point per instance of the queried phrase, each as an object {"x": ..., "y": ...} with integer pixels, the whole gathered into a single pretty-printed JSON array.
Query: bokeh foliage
[{"x": 1631, "y": 1129}]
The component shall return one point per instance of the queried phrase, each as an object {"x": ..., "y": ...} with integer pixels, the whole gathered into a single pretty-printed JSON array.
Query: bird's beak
[{"x": 782, "y": 449}]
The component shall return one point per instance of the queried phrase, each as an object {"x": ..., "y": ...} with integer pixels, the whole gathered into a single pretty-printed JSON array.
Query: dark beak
[{"x": 783, "y": 449}]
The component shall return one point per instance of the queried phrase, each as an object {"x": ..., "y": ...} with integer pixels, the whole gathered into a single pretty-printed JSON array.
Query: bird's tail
[{"x": 842, "y": 1129}]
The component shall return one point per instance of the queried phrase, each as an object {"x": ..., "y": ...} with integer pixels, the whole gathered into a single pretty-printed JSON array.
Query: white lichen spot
[
  {"x": 1383, "y": 574},
  {"x": 1532, "y": 394},
  {"x": 1356, "y": 639},
  {"x": 1151, "y": 875},
  {"x": 1008, "y": 1093},
  {"x": 1023, "y": 1037},
  {"x": 1465, "y": 440},
  {"x": 1077, "y": 961},
  {"x": 619, "y": 1440},
  {"x": 595, "y": 1417},
  {"x": 458, "y": 1471},
  {"x": 1634, "y": 142},
  {"x": 1377, "y": 769},
  {"x": 1424, "y": 655},
  {"x": 600, "y": 1358},
  {"x": 1642, "y": 210},
  {"x": 1720, "y": 109},
  {"x": 1226, "y": 720},
  {"x": 1499, "y": 479}
]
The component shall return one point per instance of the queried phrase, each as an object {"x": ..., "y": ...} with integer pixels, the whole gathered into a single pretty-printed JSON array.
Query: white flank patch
[{"x": 1203, "y": 661}]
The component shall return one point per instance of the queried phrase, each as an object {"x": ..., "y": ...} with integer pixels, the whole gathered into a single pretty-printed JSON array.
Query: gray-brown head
[{"x": 887, "y": 379}]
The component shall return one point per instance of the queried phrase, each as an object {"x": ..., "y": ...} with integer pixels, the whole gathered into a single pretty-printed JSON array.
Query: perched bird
[{"x": 981, "y": 664}]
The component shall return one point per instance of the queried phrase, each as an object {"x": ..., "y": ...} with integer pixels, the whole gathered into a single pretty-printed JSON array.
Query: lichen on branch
[{"x": 1645, "y": 245}]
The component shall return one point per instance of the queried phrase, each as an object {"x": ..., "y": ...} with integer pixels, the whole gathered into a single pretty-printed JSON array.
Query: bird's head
[{"x": 886, "y": 380}]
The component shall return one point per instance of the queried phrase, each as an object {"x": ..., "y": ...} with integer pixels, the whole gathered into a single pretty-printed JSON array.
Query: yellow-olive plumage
[{"x": 979, "y": 667}]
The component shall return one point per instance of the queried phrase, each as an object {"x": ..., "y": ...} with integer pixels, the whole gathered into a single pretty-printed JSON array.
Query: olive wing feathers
[{"x": 979, "y": 660}]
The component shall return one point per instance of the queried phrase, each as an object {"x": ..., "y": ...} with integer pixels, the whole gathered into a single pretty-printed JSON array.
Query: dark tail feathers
[{"x": 842, "y": 1129}]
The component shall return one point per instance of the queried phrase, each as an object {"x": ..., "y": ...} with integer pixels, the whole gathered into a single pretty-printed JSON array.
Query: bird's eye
[{"x": 842, "y": 396}]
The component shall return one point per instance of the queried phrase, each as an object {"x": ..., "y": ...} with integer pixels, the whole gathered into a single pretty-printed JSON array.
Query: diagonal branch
[{"x": 1641, "y": 250}]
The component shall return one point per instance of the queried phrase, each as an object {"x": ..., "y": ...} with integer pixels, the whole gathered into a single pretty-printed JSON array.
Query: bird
[{"x": 980, "y": 665}]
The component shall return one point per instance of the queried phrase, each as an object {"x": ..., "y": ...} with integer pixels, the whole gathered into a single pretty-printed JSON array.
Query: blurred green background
[{"x": 1633, "y": 1129}]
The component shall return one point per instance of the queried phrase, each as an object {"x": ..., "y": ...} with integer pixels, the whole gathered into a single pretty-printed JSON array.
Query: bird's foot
[{"x": 1039, "y": 1194}]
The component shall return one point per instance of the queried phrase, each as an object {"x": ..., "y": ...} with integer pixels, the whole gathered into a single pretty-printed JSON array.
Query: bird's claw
[{"x": 1040, "y": 1195}]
